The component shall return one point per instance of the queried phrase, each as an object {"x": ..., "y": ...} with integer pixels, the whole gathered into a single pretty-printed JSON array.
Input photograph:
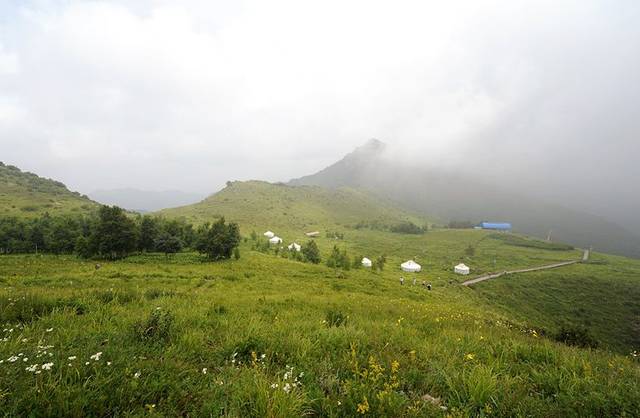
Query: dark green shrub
[
  {"x": 157, "y": 328},
  {"x": 576, "y": 336}
]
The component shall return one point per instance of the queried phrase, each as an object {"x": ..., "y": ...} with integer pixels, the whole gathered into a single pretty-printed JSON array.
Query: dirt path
[{"x": 585, "y": 257}]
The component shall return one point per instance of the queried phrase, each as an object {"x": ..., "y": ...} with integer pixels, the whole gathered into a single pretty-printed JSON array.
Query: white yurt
[
  {"x": 294, "y": 246},
  {"x": 410, "y": 266},
  {"x": 366, "y": 262},
  {"x": 275, "y": 240},
  {"x": 461, "y": 269},
  {"x": 269, "y": 234}
]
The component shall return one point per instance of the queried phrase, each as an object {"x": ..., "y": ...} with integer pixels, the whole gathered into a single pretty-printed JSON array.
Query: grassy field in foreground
[{"x": 266, "y": 336}]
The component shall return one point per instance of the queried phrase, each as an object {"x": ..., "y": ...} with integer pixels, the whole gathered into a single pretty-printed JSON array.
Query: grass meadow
[{"x": 268, "y": 336}]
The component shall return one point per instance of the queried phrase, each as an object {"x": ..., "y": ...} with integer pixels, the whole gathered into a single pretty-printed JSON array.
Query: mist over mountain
[
  {"x": 145, "y": 200},
  {"x": 452, "y": 194}
]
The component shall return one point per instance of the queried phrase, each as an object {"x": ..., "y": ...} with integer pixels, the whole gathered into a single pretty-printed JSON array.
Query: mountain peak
[{"x": 371, "y": 146}]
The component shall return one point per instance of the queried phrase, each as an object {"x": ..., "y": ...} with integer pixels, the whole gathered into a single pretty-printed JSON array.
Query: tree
[
  {"x": 114, "y": 235},
  {"x": 379, "y": 263},
  {"x": 338, "y": 259},
  {"x": 148, "y": 234},
  {"x": 218, "y": 240},
  {"x": 311, "y": 252},
  {"x": 168, "y": 244},
  {"x": 82, "y": 247}
]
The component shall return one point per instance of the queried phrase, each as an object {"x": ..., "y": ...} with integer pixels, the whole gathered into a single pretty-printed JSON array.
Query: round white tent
[
  {"x": 410, "y": 266},
  {"x": 461, "y": 269},
  {"x": 269, "y": 234},
  {"x": 366, "y": 262},
  {"x": 294, "y": 246},
  {"x": 275, "y": 240}
]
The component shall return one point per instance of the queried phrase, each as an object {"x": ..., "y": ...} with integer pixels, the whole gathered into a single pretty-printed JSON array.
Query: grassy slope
[
  {"x": 261, "y": 205},
  {"x": 603, "y": 297},
  {"x": 461, "y": 344},
  {"x": 446, "y": 344},
  {"x": 25, "y": 194}
]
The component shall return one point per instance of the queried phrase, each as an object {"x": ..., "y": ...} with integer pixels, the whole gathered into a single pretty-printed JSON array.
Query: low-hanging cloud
[{"x": 165, "y": 95}]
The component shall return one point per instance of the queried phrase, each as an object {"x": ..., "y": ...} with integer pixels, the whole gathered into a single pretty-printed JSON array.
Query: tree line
[{"x": 112, "y": 233}]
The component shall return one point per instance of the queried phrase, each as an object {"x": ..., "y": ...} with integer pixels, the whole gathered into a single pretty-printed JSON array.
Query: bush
[
  {"x": 310, "y": 252},
  {"x": 156, "y": 328},
  {"x": 576, "y": 336},
  {"x": 338, "y": 259}
]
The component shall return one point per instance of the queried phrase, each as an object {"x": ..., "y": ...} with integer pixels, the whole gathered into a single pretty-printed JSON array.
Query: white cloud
[{"x": 159, "y": 94}]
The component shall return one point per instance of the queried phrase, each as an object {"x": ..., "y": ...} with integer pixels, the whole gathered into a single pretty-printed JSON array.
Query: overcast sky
[{"x": 186, "y": 95}]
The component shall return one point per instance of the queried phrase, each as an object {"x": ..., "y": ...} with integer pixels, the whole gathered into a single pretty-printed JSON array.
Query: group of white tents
[
  {"x": 274, "y": 239},
  {"x": 409, "y": 266}
]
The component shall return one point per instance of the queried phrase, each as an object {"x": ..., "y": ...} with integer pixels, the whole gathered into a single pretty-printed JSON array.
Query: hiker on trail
[
  {"x": 429, "y": 286},
  {"x": 401, "y": 280}
]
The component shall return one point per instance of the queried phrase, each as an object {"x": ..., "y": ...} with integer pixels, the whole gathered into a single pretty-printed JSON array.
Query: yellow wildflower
[{"x": 363, "y": 407}]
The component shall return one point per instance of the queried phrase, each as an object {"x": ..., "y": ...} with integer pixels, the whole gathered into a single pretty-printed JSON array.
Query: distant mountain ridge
[
  {"x": 452, "y": 196},
  {"x": 26, "y": 194},
  {"x": 144, "y": 200}
]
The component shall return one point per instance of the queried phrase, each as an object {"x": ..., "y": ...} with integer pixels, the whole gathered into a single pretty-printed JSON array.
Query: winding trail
[{"x": 585, "y": 257}]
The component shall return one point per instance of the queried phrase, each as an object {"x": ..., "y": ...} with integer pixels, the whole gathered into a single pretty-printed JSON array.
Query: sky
[{"x": 161, "y": 95}]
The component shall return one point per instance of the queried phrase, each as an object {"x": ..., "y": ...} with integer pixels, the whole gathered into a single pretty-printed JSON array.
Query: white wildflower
[
  {"x": 72, "y": 357},
  {"x": 137, "y": 375},
  {"x": 96, "y": 356},
  {"x": 204, "y": 370},
  {"x": 32, "y": 368},
  {"x": 86, "y": 363},
  {"x": 286, "y": 388},
  {"x": 49, "y": 329},
  {"x": 108, "y": 363},
  {"x": 47, "y": 366},
  {"x": 274, "y": 386},
  {"x": 12, "y": 359}
]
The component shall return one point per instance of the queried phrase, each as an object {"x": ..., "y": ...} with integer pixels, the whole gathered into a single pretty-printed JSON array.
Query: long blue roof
[{"x": 495, "y": 225}]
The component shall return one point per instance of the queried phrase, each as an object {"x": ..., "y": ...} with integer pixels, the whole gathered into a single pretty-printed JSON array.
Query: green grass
[
  {"x": 24, "y": 194},
  {"x": 603, "y": 297},
  {"x": 268, "y": 336},
  {"x": 287, "y": 209},
  {"x": 159, "y": 324}
]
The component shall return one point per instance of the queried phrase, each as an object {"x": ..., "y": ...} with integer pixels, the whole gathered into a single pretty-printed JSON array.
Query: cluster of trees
[
  {"x": 408, "y": 227},
  {"x": 456, "y": 224},
  {"x": 113, "y": 234},
  {"x": 405, "y": 227}
]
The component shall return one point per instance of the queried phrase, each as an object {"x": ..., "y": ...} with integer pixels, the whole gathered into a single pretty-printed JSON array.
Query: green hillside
[
  {"x": 24, "y": 194},
  {"x": 266, "y": 335},
  {"x": 602, "y": 296},
  {"x": 261, "y": 205},
  {"x": 448, "y": 195}
]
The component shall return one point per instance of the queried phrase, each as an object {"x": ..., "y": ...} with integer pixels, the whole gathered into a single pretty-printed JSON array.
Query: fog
[{"x": 540, "y": 96}]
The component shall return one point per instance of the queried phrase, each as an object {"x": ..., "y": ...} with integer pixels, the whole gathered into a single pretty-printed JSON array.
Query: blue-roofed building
[{"x": 498, "y": 226}]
